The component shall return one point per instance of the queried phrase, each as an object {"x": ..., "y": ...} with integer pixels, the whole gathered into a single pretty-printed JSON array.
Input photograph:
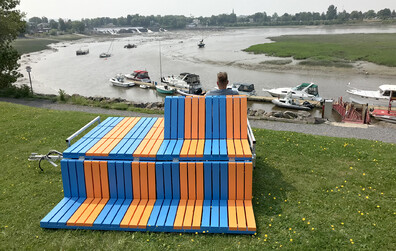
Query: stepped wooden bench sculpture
[{"x": 189, "y": 172}]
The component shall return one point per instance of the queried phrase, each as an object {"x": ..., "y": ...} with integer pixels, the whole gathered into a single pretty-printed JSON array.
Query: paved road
[{"x": 382, "y": 131}]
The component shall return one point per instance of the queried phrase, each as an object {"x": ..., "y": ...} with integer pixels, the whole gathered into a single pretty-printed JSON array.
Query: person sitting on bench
[{"x": 222, "y": 82}]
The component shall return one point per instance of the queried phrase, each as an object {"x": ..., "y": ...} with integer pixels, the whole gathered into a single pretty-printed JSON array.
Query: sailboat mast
[{"x": 160, "y": 60}]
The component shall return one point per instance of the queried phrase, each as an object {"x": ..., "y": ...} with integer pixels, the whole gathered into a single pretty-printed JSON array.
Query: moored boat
[
  {"x": 305, "y": 91},
  {"x": 187, "y": 82},
  {"x": 289, "y": 103},
  {"x": 165, "y": 89},
  {"x": 379, "y": 97},
  {"x": 245, "y": 89},
  {"x": 82, "y": 52},
  {"x": 130, "y": 46},
  {"x": 139, "y": 75},
  {"x": 105, "y": 55},
  {"x": 120, "y": 81},
  {"x": 201, "y": 44}
]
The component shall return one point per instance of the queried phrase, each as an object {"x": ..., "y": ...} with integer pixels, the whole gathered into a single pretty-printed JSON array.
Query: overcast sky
[{"x": 77, "y": 9}]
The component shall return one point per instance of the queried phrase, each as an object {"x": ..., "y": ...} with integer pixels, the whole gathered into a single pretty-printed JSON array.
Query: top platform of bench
[{"x": 193, "y": 128}]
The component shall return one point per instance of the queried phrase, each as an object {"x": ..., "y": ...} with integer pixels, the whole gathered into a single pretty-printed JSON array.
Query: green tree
[
  {"x": 11, "y": 25},
  {"x": 331, "y": 13},
  {"x": 384, "y": 13}
]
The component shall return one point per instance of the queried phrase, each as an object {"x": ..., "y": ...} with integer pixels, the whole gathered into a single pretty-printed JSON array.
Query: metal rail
[
  {"x": 69, "y": 139},
  {"x": 252, "y": 142}
]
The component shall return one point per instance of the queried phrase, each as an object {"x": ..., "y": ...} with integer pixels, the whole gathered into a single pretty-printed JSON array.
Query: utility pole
[{"x": 29, "y": 69}]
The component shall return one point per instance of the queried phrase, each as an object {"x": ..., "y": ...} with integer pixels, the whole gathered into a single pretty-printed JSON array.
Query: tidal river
[{"x": 89, "y": 75}]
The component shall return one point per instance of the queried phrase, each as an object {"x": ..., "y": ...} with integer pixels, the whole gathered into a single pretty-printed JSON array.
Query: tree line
[{"x": 331, "y": 16}]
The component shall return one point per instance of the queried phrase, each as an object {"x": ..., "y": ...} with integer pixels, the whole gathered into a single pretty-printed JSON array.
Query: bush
[
  {"x": 62, "y": 95},
  {"x": 16, "y": 92}
]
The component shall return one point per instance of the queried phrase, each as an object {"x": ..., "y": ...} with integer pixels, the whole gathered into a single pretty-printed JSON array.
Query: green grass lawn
[
  {"x": 334, "y": 50},
  {"x": 309, "y": 192},
  {"x": 28, "y": 45}
]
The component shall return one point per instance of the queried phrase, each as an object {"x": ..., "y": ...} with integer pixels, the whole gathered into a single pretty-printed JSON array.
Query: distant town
[{"x": 331, "y": 16}]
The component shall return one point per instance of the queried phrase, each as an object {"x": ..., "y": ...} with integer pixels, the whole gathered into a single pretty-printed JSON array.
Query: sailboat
[{"x": 106, "y": 54}]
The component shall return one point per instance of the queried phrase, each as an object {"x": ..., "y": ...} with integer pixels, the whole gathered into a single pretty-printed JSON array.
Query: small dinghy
[{"x": 289, "y": 103}]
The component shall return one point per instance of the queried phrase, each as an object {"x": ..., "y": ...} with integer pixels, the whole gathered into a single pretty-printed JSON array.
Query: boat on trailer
[{"x": 305, "y": 91}]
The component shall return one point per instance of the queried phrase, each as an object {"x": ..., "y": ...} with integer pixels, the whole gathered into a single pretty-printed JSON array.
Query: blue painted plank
[
  {"x": 151, "y": 122},
  {"x": 169, "y": 149},
  {"x": 131, "y": 133},
  {"x": 172, "y": 214},
  {"x": 105, "y": 122},
  {"x": 223, "y": 118},
  {"x": 154, "y": 215},
  {"x": 75, "y": 150},
  {"x": 116, "y": 121},
  {"x": 118, "y": 147},
  {"x": 159, "y": 176},
  {"x": 224, "y": 181},
  {"x": 205, "y": 222},
  {"x": 167, "y": 117},
  {"x": 105, "y": 211},
  {"x": 223, "y": 149},
  {"x": 174, "y": 123},
  {"x": 111, "y": 169},
  {"x": 175, "y": 181},
  {"x": 62, "y": 211},
  {"x": 180, "y": 119},
  {"x": 168, "y": 180},
  {"x": 65, "y": 177},
  {"x": 121, "y": 212},
  {"x": 214, "y": 219},
  {"x": 83, "y": 150},
  {"x": 216, "y": 180},
  {"x": 120, "y": 180},
  {"x": 123, "y": 150},
  {"x": 216, "y": 117},
  {"x": 128, "y": 179},
  {"x": 74, "y": 145},
  {"x": 101, "y": 132},
  {"x": 208, "y": 119},
  {"x": 207, "y": 180},
  {"x": 177, "y": 149},
  {"x": 162, "y": 149},
  {"x": 208, "y": 149},
  {"x": 223, "y": 215},
  {"x": 81, "y": 178},
  {"x": 54, "y": 211},
  {"x": 163, "y": 214},
  {"x": 73, "y": 178},
  {"x": 113, "y": 212},
  {"x": 133, "y": 147},
  {"x": 215, "y": 149},
  {"x": 71, "y": 211}
]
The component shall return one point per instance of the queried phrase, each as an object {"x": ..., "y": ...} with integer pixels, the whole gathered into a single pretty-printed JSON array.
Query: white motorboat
[
  {"x": 139, "y": 75},
  {"x": 379, "y": 97},
  {"x": 289, "y": 103},
  {"x": 143, "y": 86},
  {"x": 186, "y": 81},
  {"x": 305, "y": 91},
  {"x": 120, "y": 81}
]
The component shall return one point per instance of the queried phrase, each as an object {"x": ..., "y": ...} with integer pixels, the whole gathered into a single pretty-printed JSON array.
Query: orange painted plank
[
  {"x": 250, "y": 221},
  {"x": 88, "y": 179},
  {"x": 240, "y": 179},
  {"x": 241, "y": 215},
  {"x": 104, "y": 179},
  {"x": 230, "y": 117},
  {"x": 158, "y": 122},
  {"x": 108, "y": 147},
  {"x": 201, "y": 116},
  {"x": 88, "y": 211},
  {"x": 244, "y": 117},
  {"x": 194, "y": 118},
  {"x": 96, "y": 179},
  {"x": 157, "y": 133},
  {"x": 180, "y": 214},
  {"x": 232, "y": 217},
  {"x": 140, "y": 148},
  {"x": 200, "y": 180},
  {"x": 79, "y": 212},
  {"x": 138, "y": 214},
  {"x": 136, "y": 180},
  {"x": 231, "y": 148},
  {"x": 183, "y": 181},
  {"x": 185, "y": 148},
  {"x": 246, "y": 148},
  {"x": 231, "y": 181},
  {"x": 187, "y": 118},
  {"x": 93, "y": 150},
  {"x": 143, "y": 181},
  {"x": 156, "y": 147},
  {"x": 146, "y": 214},
  {"x": 196, "y": 223},
  {"x": 237, "y": 117},
  {"x": 200, "y": 148},
  {"x": 188, "y": 216},
  {"x": 248, "y": 180},
  {"x": 129, "y": 213},
  {"x": 151, "y": 181},
  {"x": 120, "y": 128},
  {"x": 193, "y": 148},
  {"x": 147, "y": 149},
  {"x": 191, "y": 181},
  {"x": 238, "y": 148},
  {"x": 128, "y": 128},
  {"x": 95, "y": 213}
]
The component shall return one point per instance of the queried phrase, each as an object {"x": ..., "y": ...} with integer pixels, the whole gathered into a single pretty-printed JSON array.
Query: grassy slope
[
  {"x": 309, "y": 192},
  {"x": 28, "y": 45},
  {"x": 376, "y": 48}
]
